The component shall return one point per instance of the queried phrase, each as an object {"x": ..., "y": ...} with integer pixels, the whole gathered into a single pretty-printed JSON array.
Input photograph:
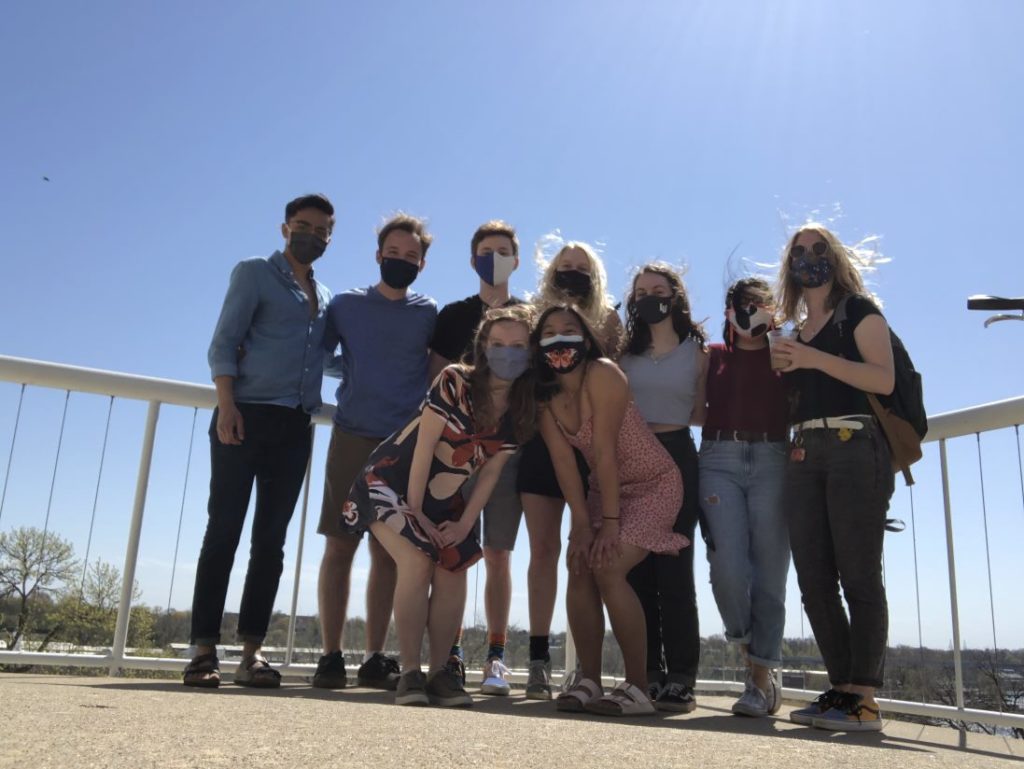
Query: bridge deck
[{"x": 64, "y": 721}]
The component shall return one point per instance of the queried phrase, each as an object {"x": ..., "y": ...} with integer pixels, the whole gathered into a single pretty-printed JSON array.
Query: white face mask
[{"x": 750, "y": 325}]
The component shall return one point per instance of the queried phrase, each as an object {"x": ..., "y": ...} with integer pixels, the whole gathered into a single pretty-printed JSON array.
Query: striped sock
[
  {"x": 457, "y": 646},
  {"x": 496, "y": 645}
]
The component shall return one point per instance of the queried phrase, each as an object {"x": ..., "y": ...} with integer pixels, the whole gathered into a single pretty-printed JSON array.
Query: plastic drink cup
[{"x": 774, "y": 335}]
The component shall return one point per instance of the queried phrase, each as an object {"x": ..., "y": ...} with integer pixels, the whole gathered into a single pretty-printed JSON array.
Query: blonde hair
[
  {"x": 848, "y": 262},
  {"x": 595, "y": 308}
]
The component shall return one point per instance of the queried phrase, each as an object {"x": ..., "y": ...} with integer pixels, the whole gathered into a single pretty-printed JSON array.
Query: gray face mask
[
  {"x": 306, "y": 247},
  {"x": 508, "y": 363}
]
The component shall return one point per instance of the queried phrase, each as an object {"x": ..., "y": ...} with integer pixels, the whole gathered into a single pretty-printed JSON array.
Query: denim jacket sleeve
[{"x": 236, "y": 316}]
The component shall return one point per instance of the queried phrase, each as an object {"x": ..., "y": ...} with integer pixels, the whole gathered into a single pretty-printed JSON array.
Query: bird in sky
[{"x": 46, "y": 178}]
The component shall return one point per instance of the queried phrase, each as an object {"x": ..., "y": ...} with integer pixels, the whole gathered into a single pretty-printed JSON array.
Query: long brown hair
[
  {"x": 522, "y": 405},
  {"x": 638, "y": 332}
]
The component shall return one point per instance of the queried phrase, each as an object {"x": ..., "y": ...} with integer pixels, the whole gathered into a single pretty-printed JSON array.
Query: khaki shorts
[{"x": 346, "y": 458}]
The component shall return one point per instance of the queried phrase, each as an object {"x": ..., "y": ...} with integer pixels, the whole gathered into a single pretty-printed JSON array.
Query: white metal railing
[{"x": 155, "y": 392}]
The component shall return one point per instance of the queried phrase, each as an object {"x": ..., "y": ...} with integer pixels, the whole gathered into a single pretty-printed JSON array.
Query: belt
[
  {"x": 742, "y": 435},
  {"x": 847, "y": 421}
]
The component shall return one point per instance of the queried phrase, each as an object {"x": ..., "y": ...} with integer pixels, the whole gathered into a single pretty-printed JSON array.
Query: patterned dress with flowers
[{"x": 380, "y": 493}]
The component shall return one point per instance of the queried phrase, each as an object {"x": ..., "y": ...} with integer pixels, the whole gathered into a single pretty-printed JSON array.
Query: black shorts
[{"x": 537, "y": 473}]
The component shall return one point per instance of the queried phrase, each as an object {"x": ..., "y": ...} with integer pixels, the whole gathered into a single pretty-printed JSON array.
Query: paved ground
[{"x": 56, "y": 721}]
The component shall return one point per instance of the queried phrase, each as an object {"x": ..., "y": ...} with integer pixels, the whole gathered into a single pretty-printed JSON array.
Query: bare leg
[
  {"x": 544, "y": 527},
  {"x": 415, "y": 571},
  {"x": 586, "y": 620},
  {"x": 447, "y": 605},
  {"x": 380, "y": 596},
  {"x": 497, "y": 590},
  {"x": 625, "y": 612},
  {"x": 332, "y": 588}
]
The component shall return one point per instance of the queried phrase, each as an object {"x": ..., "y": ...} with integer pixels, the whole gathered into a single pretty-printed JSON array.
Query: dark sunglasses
[{"x": 819, "y": 249}]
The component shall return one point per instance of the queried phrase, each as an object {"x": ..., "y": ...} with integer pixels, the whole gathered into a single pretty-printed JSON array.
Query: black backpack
[{"x": 905, "y": 403}]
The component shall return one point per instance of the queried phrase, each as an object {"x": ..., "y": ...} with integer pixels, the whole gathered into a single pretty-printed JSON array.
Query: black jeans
[
  {"x": 835, "y": 499},
  {"x": 275, "y": 453},
  {"x": 664, "y": 583}
]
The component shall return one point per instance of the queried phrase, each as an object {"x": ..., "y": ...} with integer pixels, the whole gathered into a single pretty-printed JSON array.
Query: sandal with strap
[
  {"x": 256, "y": 672},
  {"x": 575, "y": 698},
  {"x": 202, "y": 672},
  {"x": 624, "y": 700}
]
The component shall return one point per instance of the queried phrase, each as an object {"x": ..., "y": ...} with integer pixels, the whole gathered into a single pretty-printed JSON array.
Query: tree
[
  {"x": 33, "y": 563},
  {"x": 87, "y": 613}
]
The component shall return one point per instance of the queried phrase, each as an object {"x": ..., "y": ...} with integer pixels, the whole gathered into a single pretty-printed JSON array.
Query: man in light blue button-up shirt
[{"x": 266, "y": 359}]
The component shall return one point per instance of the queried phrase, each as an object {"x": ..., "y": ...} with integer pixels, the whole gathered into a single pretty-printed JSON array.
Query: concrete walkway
[{"x": 62, "y": 721}]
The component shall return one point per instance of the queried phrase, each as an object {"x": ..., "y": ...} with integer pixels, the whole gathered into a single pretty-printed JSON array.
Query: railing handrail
[
  {"x": 949, "y": 424},
  {"x": 173, "y": 392},
  {"x": 155, "y": 391}
]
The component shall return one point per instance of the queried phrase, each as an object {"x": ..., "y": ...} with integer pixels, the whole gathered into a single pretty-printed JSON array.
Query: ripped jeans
[{"x": 741, "y": 497}]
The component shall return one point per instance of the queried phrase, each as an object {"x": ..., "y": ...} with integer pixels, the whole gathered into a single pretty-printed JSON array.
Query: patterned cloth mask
[
  {"x": 748, "y": 319},
  {"x": 562, "y": 353},
  {"x": 811, "y": 273}
]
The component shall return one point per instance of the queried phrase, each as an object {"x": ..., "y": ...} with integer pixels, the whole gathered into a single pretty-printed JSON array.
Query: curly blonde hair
[{"x": 848, "y": 262}]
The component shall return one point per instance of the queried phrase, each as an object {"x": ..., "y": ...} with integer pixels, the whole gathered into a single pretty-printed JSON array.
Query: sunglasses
[{"x": 819, "y": 249}]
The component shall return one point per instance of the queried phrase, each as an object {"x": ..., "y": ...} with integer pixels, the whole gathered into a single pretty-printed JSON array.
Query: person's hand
[
  {"x": 230, "y": 426},
  {"x": 427, "y": 527},
  {"x": 578, "y": 552},
  {"x": 606, "y": 547},
  {"x": 454, "y": 532},
  {"x": 796, "y": 354}
]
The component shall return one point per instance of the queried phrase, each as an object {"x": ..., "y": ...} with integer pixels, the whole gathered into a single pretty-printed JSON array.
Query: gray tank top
[{"x": 665, "y": 388}]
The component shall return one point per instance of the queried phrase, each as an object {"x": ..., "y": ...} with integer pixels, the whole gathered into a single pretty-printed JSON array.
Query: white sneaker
[
  {"x": 753, "y": 702},
  {"x": 495, "y": 681}
]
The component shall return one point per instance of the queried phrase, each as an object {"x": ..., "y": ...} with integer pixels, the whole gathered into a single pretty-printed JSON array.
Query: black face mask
[
  {"x": 562, "y": 354},
  {"x": 653, "y": 309},
  {"x": 398, "y": 273},
  {"x": 306, "y": 247},
  {"x": 573, "y": 282}
]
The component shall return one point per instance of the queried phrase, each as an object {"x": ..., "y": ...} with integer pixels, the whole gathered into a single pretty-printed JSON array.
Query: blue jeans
[{"x": 741, "y": 496}]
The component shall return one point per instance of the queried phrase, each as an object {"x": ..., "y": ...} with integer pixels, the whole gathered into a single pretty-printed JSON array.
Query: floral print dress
[{"x": 380, "y": 493}]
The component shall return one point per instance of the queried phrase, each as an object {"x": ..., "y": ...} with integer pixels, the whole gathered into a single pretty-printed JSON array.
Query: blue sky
[{"x": 173, "y": 134}]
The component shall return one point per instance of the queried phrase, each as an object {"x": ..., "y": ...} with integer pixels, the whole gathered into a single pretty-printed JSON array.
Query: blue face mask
[
  {"x": 508, "y": 363},
  {"x": 811, "y": 273}
]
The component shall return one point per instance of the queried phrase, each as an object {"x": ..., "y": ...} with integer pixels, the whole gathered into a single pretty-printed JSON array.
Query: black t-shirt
[
  {"x": 456, "y": 326},
  {"x": 814, "y": 394}
]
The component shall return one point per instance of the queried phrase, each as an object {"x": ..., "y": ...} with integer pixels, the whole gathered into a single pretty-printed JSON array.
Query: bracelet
[{"x": 610, "y": 517}]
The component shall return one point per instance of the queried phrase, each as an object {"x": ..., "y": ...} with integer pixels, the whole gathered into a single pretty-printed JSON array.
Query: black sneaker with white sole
[{"x": 379, "y": 672}]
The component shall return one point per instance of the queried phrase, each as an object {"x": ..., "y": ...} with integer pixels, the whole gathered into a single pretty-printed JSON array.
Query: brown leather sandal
[{"x": 203, "y": 672}]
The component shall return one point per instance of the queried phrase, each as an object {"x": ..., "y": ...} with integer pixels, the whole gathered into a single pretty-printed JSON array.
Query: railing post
[
  {"x": 954, "y": 606},
  {"x": 290, "y": 648},
  {"x": 131, "y": 555}
]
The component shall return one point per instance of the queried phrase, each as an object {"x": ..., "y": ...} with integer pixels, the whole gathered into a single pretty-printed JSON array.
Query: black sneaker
[
  {"x": 676, "y": 698},
  {"x": 379, "y": 672},
  {"x": 457, "y": 667},
  {"x": 330, "y": 672}
]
